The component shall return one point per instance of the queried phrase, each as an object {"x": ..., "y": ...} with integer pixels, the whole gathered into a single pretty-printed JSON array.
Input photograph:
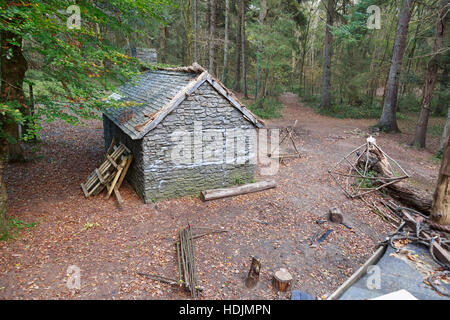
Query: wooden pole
[
  {"x": 253, "y": 274},
  {"x": 234, "y": 191}
]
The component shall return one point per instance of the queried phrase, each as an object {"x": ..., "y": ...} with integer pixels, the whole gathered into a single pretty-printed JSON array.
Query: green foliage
[
  {"x": 13, "y": 228},
  {"x": 238, "y": 180},
  {"x": 75, "y": 66},
  {"x": 267, "y": 108},
  {"x": 365, "y": 183}
]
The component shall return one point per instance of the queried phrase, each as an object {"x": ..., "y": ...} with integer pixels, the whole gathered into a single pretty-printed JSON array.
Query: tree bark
[
  {"x": 235, "y": 191},
  {"x": 244, "y": 71},
  {"x": 430, "y": 80},
  {"x": 388, "y": 119},
  {"x": 440, "y": 211},
  {"x": 400, "y": 190},
  {"x": 212, "y": 38},
  {"x": 225, "y": 45},
  {"x": 326, "y": 95},
  {"x": 162, "y": 43},
  {"x": 262, "y": 17},
  {"x": 237, "y": 66},
  {"x": 187, "y": 5},
  {"x": 253, "y": 273},
  {"x": 446, "y": 131},
  {"x": 195, "y": 32},
  {"x": 13, "y": 68}
]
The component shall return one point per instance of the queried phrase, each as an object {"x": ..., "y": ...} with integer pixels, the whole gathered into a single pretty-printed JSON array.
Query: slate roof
[
  {"x": 152, "y": 90},
  {"x": 155, "y": 93}
]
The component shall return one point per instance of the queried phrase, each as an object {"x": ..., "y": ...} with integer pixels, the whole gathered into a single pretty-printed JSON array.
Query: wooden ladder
[{"x": 111, "y": 172}]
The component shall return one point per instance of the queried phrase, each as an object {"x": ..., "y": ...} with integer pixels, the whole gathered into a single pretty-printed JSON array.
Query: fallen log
[
  {"x": 399, "y": 190},
  {"x": 234, "y": 191}
]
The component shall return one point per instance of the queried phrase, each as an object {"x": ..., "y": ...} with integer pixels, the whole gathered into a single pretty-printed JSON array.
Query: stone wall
[
  {"x": 175, "y": 166},
  {"x": 168, "y": 164}
]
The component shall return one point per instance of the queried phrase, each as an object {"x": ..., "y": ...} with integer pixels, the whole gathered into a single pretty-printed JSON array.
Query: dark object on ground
[
  {"x": 282, "y": 280},
  {"x": 301, "y": 295},
  {"x": 323, "y": 237},
  {"x": 253, "y": 274},
  {"x": 234, "y": 191}
]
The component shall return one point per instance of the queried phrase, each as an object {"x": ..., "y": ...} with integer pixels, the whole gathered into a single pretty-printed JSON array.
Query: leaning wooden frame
[
  {"x": 111, "y": 172},
  {"x": 354, "y": 170},
  {"x": 288, "y": 134}
]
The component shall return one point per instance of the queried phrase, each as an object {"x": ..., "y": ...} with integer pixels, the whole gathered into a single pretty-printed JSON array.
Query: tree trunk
[
  {"x": 187, "y": 5},
  {"x": 13, "y": 68},
  {"x": 225, "y": 45},
  {"x": 237, "y": 73},
  {"x": 440, "y": 211},
  {"x": 326, "y": 96},
  {"x": 445, "y": 132},
  {"x": 400, "y": 190},
  {"x": 388, "y": 119},
  {"x": 244, "y": 71},
  {"x": 262, "y": 17},
  {"x": 214, "y": 194},
  {"x": 432, "y": 68},
  {"x": 443, "y": 86},
  {"x": 195, "y": 32},
  {"x": 162, "y": 43},
  {"x": 212, "y": 37}
]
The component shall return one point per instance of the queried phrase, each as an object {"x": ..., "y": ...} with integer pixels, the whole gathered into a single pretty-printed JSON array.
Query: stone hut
[{"x": 186, "y": 131}]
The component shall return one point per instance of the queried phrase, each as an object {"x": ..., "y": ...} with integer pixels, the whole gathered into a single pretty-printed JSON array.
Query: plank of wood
[
  {"x": 84, "y": 190},
  {"x": 99, "y": 176},
  {"x": 111, "y": 160},
  {"x": 118, "y": 196},
  {"x": 124, "y": 172},
  {"x": 116, "y": 178},
  {"x": 234, "y": 191},
  {"x": 113, "y": 142}
]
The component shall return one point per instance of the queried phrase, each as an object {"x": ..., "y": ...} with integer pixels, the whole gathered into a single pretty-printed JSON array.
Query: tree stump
[
  {"x": 253, "y": 274},
  {"x": 336, "y": 215},
  {"x": 282, "y": 280}
]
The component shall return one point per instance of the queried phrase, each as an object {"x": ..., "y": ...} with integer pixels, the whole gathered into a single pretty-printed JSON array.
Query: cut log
[
  {"x": 282, "y": 280},
  {"x": 253, "y": 274},
  {"x": 336, "y": 215},
  {"x": 234, "y": 191},
  {"x": 399, "y": 190}
]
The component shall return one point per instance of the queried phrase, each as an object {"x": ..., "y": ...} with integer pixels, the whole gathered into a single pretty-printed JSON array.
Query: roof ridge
[{"x": 194, "y": 68}]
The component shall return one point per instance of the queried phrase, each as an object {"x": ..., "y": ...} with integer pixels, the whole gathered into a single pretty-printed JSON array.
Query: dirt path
[{"x": 110, "y": 244}]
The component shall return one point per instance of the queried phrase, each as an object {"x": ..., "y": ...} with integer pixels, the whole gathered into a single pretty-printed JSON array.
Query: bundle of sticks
[
  {"x": 186, "y": 261},
  {"x": 187, "y": 270}
]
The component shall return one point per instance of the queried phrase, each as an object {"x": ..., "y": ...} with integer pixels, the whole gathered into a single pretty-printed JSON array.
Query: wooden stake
[{"x": 253, "y": 274}]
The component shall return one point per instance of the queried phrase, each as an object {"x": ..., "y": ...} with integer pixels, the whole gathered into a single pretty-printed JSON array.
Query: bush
[
  {"x": 409, "y": 103},
  {"x": 342, "y": 111},
  {"x": 266, "y": 108}
]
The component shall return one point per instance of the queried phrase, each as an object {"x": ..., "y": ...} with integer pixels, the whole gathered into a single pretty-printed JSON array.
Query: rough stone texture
[{"x": 169, "y": 164}]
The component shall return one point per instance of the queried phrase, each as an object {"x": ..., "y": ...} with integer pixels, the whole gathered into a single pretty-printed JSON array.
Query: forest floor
[{"x": 111, "y": 244}]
